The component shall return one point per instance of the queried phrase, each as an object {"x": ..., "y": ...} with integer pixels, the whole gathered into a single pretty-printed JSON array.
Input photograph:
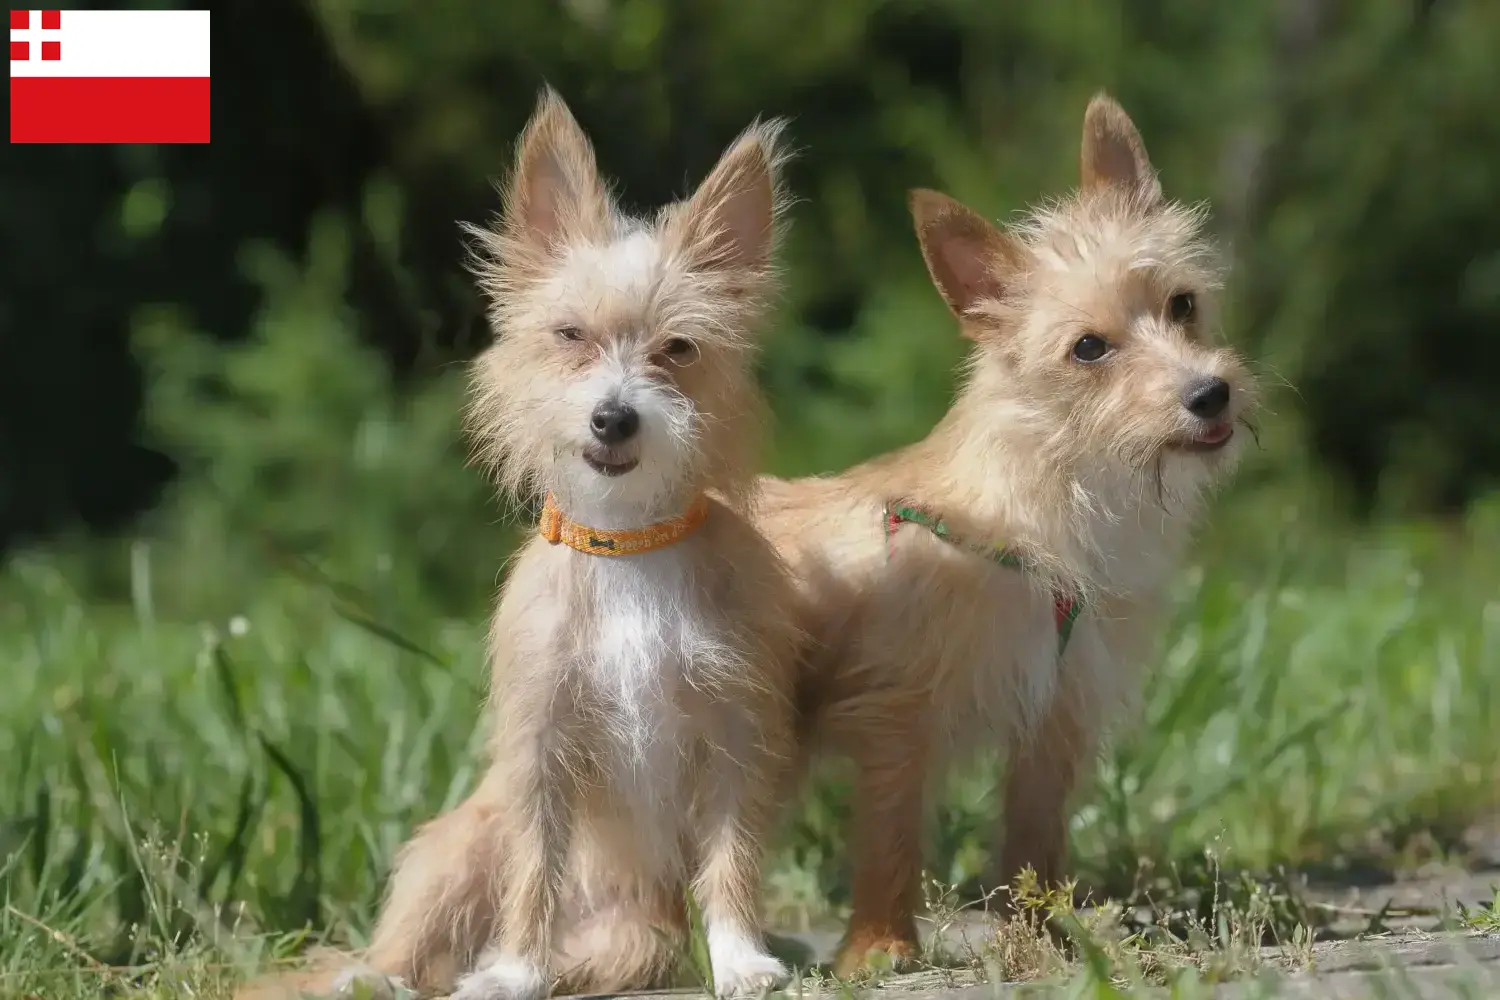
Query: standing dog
[
  {"x": 1000, "y": 580},
  {"x": 644, "y": 645}
]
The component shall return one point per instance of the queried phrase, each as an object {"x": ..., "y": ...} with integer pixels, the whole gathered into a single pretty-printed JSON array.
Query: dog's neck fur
[
  {"x": 594, "y": 509},
  {"x": 1009, "y": 471}
]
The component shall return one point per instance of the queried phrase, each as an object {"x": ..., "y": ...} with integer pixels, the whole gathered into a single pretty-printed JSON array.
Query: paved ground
[
  {"x": 1410, "y": 965},
  {"x": 1407, "y": 963},
  {"x": 1402, "y": 963},
  {"x": 1417, "y": 953}
]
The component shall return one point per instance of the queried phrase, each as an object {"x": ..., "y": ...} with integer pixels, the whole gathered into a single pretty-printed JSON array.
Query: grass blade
[
  {"x": 1297, "y": 737},
  {"x": 390, "y": 635},
  {"x": 305, "y": 896}
]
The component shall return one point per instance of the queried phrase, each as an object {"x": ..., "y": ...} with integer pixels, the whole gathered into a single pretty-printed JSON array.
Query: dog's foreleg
[
  {"x": 889, "y": 816},
  {"x": 736, "y": 806},
  {"x": 1044, "y": 766}
]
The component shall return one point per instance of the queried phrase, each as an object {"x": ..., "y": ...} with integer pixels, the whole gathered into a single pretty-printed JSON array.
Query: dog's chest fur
[
  {"x": 653, "y": 634},
  {"x": 977, "y": 644},
  {"x": 1008, "y": 659},
  {"x": 984, "y": 634}
]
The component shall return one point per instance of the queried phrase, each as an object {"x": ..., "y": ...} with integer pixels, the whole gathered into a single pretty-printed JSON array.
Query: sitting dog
[{"x": 644, "y": 647}]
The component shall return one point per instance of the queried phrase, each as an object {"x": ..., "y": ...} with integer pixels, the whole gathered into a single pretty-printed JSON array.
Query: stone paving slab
[
  {"x": 1408, "y": 964},
  {"x": 1405, "y": 964},
  {"x": 1427, "y": 891}
]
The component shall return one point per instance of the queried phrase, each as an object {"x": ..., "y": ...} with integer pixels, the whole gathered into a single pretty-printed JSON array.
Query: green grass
[{"x": 180, "y": 799}]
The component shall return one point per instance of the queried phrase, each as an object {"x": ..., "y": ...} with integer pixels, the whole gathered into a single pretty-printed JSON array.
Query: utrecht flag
[{"x": 109, "y": 76}]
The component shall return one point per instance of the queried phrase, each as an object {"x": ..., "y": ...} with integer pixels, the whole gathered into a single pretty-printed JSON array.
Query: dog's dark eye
[
  {"x": 1181, "y": 306},
  {"x": 1090, "y": 347},
  {"x": 679, "y": 349},
  {"x": 570, "y": 333}
]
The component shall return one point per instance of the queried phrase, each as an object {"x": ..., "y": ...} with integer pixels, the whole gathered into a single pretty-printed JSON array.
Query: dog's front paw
[
  {"x": 360, "y": 982},
  {"x": 502, "y": 978},
  {"x": 864, "y": 953},
  {"x": 742, "y": 968},
  {"x": 750, "y": 978}
]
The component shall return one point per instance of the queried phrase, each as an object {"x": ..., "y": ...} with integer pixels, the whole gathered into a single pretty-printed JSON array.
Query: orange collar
[{"x": 556, "y": 527}]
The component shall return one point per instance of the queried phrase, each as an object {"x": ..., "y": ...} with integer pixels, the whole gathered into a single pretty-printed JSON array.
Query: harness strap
[{"x": 1066, "y": 607}]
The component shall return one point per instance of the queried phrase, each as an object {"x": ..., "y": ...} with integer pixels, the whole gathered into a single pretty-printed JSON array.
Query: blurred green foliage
[
  {"x": 294, "y": 443},
  {"x": 1346, "y": 145}
]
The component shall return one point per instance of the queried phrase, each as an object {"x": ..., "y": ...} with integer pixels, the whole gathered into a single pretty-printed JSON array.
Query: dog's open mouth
[
  {"x": 608, "y": 465},
  {"x": 1212, "y": 439}
]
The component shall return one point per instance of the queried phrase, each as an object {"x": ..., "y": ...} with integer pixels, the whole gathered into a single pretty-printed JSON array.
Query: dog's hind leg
[
  {"x": 631, "y": 941},
  {"x": 440, "y": 907}
]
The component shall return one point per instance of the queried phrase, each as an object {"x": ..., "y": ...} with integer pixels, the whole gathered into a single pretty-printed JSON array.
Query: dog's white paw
[
  {"x": 741, "y": 966},
  {"x": 502, "y": 978},
  {"x": 360, "y": 982},
  {"x": 750, "y": 977}
]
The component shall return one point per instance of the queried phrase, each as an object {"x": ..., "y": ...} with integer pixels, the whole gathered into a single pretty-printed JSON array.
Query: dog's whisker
[{"x": 1249, "y": 425}]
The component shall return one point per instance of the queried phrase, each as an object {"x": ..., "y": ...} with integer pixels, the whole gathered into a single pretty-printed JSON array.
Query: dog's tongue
[{"x": 1215, "y": 434}]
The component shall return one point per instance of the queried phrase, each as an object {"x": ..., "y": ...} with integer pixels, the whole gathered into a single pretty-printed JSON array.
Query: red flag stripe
[{"x": 109, "y": 109}]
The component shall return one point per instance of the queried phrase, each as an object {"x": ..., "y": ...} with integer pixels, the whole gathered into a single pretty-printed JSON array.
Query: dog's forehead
[
  {"x": 609, "y": 284},
  {"x": 1110, "y": 245},
  {"x": 1117, "y": 256}
]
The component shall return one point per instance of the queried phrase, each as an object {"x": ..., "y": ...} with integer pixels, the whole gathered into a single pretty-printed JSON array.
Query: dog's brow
[{"x": 1081, "y": 316}]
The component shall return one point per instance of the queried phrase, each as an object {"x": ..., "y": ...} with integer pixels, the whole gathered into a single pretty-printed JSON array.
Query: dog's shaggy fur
[
  {"x": 641, "y": 704},
  {"x": 1091, "y": 468}
]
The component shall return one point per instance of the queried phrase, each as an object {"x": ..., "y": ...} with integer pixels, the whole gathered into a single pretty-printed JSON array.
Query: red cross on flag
[{"x": 106, "y": 76}]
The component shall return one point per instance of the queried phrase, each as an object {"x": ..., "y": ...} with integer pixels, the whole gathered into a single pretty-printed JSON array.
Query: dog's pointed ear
[
  {"x": 1113, "y": 153},
  {"x": 730, "y": 222},
  {"x": 555, "y": 192},
  {"x": 970, "y": 260}
]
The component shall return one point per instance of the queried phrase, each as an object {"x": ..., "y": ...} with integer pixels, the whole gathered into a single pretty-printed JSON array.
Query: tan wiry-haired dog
[
  {"x": 997, "y": 582},
  {"x": 643, "y": 649}
]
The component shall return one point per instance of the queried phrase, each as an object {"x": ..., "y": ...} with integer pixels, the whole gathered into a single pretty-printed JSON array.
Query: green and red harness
[{"x": 1066, "y": 607}]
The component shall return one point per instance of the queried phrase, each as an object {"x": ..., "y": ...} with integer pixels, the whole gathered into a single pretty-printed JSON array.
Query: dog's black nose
[
  {"x": 614, "y": 422},
  {"x": 1206, "y": 397}
]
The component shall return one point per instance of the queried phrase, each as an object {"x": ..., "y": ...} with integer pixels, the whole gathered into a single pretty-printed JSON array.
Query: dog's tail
[
  {"x": 314, "y": 975},
  {"x": 625, "y": 944}
]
